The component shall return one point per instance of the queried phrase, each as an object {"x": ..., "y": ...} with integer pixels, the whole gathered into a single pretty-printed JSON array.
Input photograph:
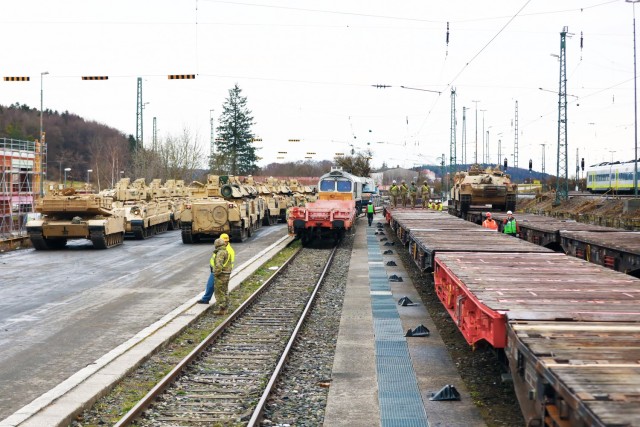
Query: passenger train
[
  {"x": 616, "y": 177},
  {"x": 334, "y": 213}
]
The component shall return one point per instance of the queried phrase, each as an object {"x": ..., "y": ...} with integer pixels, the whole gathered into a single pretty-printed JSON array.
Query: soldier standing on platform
[
  {"x": 403, "y": 193},
  {"x": 394, "y": 191},
  {"x": 425, "y": 193},
  {"x": 413, "y": 194}
]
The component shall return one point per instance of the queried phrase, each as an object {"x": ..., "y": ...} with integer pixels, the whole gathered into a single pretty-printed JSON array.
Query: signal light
[
  {"x": 582, "y": 164},
  {"x": 17, "y": 79},
  {"x": 95, "y": 77},
  {"x": 530, "y": 165},
  {"x": 181, "y": 76}
]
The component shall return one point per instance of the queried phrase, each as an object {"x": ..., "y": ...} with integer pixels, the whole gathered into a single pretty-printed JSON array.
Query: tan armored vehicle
[
  {"x": 482, "y": 188},
  {"x": 145, "y": 215},
  {"x": 285, "y": 194},
  {"x": 177, "y": 197},
  {"x": 67, "y": 216},
  {"x": 273, "y": 204},
  {"x": 208, "y": 213}
]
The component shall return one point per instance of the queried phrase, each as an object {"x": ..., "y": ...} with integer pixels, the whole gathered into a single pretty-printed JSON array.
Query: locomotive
[{"x": 334, "y": 213}]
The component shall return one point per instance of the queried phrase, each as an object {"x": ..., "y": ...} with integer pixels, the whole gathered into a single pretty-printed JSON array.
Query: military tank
[
  {"x": 67, "y": 216},
  {"x": 482, "y": 188},
  {"x": 207, "y": 213}
]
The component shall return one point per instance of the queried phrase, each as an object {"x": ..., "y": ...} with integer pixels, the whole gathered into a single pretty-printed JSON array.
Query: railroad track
[{"x": 228, "y": 377}]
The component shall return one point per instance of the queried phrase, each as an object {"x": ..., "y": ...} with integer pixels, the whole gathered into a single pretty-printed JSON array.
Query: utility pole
[
  {"x": 452, "y": 146},
  {"x": 515, "y": 139},
  {"x": 476, "y": 153},
  {"x": 139, "y": 106},
  {"x": 499, "y": 151},
  {"x": 212, "y": 142},
  {"x": 562, "y": 189},
  {"x": 487, "y": 150},
  {"x": 464, "y": 135},
  {"x": 155, "y": 134},
  {"x": 543, "y": 158},
  {"x": 483, "y": 134}
]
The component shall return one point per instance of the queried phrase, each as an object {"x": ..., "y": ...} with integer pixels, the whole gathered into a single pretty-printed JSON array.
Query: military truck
[
  {"x": 68, "y": 216},
  {"x": 219, "y": 206},
  {"x": 482, "y": 188}
]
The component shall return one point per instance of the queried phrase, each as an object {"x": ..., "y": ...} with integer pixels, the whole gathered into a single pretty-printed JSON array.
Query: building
[{"x": 20, "y": 178}]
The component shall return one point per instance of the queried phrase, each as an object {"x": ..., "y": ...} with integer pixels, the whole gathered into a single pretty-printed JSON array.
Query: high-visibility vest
[
  {"x": 490, "y": 223},
  {"x": 370, "y": 208},
  {"x": 212, "y": 260},
  {"x": 232, "y": 254},
  {"x": 510, "y": 227}
]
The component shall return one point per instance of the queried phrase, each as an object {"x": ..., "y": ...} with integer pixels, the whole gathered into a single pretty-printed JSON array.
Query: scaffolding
[{"x": 21, "y": 174}]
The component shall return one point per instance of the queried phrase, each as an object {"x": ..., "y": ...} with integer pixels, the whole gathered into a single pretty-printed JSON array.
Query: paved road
[{"x": 62, "y": 310}]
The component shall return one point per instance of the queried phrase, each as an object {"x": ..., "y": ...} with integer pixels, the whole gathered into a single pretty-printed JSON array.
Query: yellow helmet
[{"x": 225, "y": 237}]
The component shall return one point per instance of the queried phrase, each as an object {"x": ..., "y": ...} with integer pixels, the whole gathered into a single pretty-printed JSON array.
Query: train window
[
  {"x": 327, "y": 185},
  {"x": 344, "y": 186}
]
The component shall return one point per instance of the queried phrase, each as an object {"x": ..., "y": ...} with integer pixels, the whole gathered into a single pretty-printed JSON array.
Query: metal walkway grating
[{"x": 398, "y": 394}]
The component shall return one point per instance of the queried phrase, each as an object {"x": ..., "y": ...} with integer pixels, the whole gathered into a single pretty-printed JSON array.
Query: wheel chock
[
  {"x": 447, "y": 392},
  {"x": 420, "y": 331},
  {"x": 384, "y": 239},
  {"x": 389, "y": 243},
  {"x": 405, "y": 301},
  {"x": 395, "y": 278},
  {"x": 391, "y": 263},
  {"x": 387, "y": 252},
  {"x": 379, "y": 225}
]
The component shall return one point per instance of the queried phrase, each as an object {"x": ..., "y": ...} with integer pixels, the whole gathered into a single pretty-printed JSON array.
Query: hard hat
[
  {"x": 225, "y": 237},
  {"x": 431, "y": 200},
  {"x": 509, "y": 213},
  {"x": 394, "y": 181},
  {"x": 488, "y": 214},
  {"x": 403, "y": 181}
]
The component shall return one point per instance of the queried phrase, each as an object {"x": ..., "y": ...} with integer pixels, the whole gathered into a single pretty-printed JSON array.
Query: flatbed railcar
[
  {"x": 335, "y": 211},
  {"x": 569, "y": 328}
]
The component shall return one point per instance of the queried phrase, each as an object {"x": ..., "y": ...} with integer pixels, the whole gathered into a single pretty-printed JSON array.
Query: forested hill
[{"x": 71, "y": 140}]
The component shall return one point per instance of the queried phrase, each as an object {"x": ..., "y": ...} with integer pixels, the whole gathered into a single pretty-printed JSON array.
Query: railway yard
[{"x": 560, "y": 304}]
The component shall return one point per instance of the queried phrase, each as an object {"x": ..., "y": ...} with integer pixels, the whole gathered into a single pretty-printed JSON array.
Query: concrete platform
[{"x": 355, "y": 398}]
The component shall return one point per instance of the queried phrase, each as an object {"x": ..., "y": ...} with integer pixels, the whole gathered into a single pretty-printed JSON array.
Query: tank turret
[{"x": 482, "y": 187}]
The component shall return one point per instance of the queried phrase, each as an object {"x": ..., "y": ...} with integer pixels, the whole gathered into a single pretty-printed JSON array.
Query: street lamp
[
  {"x": 65, "y": 176},
  {"x": 42, "y": 74},
  {"x": 635, "y": 104},
  {"x": 88, "y": 172}
]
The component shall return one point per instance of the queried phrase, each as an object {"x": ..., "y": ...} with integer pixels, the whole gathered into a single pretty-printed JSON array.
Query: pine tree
[{"x": 235, "y": 152}]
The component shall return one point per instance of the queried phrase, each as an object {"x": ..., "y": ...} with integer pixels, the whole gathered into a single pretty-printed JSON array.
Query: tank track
[
  {"x": 102, "y": 241},
  {"x": 39, "y": 243}
]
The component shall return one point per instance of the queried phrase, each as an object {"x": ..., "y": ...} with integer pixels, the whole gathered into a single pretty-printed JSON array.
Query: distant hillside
[{"x": 72, "y": 141}]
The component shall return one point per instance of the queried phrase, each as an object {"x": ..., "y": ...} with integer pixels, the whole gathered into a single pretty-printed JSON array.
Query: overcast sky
[{"x": 307, "y": 68}]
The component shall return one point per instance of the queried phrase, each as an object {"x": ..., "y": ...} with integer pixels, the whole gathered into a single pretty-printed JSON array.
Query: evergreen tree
[{"x": 235, "y": 152}]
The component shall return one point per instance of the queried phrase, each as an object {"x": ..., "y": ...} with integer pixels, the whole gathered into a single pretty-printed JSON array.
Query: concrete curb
[{"x": 61, "y": 404}]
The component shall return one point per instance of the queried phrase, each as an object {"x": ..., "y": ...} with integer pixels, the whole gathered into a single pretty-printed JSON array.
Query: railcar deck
[
  {"x": 618, "y": 250},
  {"x": 581, "y": 373},
  {"x": 405, "y": 221},
  {"x": 424, "y": 246},
  {"x": 483, "y": 291}
]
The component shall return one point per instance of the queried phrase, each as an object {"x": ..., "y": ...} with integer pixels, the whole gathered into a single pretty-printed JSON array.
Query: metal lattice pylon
[
  {"x": 515, "y": 138},
  {"x": 452, "y": 145},
  {"x": 562, "y": 188},
  {"x": 139, "y": 107}
]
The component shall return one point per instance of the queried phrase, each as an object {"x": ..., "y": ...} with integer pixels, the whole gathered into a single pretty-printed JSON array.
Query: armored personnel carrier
[
  {"x": 482, "y": 188},
  {"x": 145, "y": 214},
  {"x": 217, "y": 207},
  {"x": 285, "y": 193},
  {"x": 67, "y": 216}
]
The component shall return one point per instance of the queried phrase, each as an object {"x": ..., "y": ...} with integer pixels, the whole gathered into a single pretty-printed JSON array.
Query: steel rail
[
  {"x": 168, "y": 379},
  {"x": 257, "y": 413}
]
